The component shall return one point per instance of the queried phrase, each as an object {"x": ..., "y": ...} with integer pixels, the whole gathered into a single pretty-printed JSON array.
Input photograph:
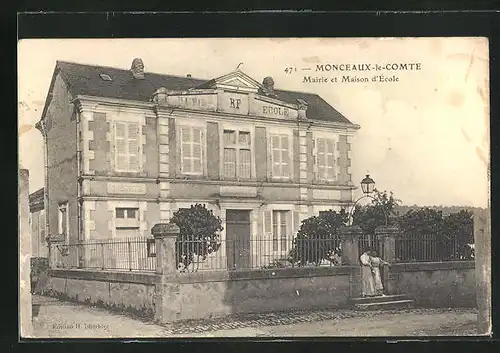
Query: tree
[
  {"x": 317, "y": 238},
  {"x": 370, "y": 216},
  {"x": 199, "y": 234},
  {"x": 422, "y": 235},
  {"x": 429, "y": 235},
  {"x": 458, "y": 230}
]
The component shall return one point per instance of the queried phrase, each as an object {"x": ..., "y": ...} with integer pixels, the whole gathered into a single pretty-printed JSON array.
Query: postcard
[{"x": 254, "y": 187}]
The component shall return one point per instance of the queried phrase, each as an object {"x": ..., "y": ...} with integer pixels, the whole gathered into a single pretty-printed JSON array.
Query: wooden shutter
[
  {"x": 275, "y": 155},
  {"x": 286, "y": 166},
  {"x": 184, "y": 150},
  {"x": 197, "y": 150},
  {"x": 296, "y": 221},
  {"x": 121, "y": 156},
  {"x": 133, "y": 146}
]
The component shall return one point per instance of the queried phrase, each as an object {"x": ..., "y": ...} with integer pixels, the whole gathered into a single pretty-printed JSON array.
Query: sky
[{"x": 424, "y": 137}]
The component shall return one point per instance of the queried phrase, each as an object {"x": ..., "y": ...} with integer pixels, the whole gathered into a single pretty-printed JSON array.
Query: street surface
[{"x": 58, "y": 319}]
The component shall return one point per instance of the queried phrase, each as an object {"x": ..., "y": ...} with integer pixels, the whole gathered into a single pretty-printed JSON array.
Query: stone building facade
[{"x": 125, "y": 149}]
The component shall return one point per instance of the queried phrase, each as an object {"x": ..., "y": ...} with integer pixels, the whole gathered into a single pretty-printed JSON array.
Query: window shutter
[
  {"x": 296, "y": 221},
  {"x": 133, "y": 146},
  {"x": 185, "y": 149},
  {"x": 121, "y": 146},
  {"x": 275, "y": 155},
  {"x": 285, "y": 156},
  {"x": 268, "y": 226}
]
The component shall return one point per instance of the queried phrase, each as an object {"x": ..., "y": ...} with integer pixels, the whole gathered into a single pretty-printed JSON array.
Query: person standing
[
  {"x": 376, "y": 262},
  {"x": 367, "y": 279}
]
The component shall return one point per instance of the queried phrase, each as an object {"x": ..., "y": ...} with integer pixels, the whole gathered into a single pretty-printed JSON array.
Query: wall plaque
[
  {"x": 126, "y": 188},
  {"x": 238, "y": 191}
]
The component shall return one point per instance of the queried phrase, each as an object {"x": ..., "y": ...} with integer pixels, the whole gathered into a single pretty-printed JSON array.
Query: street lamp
[{"x": 368, "y": 186}]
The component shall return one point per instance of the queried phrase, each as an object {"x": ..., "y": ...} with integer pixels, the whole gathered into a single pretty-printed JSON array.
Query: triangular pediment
[{"x": 236, "y": 80}]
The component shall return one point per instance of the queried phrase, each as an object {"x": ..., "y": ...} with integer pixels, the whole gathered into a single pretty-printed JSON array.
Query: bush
[
  {"x": 445, "y": 238},
  {"x": 38, "y": 272},
  {"x": 317, "y": 238},
  {"x": 199, "y": 234},
  {"x": 370, "y": 216}
]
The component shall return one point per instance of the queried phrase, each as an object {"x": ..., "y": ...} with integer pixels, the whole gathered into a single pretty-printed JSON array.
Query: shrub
[
  {"x": 199, "y": 234},
  {"x": 317, "y": 238}
]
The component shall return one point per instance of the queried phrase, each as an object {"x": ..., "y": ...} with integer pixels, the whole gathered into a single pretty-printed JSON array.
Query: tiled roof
[{"x": 85, "y": 80}]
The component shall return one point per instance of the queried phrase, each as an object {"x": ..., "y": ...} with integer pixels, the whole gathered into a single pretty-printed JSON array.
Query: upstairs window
[
  {"x": 325, "y": 159},
  {"x": 191, "y": 150},
  {"x": 127, "y": 146},
  {"x": 280, "y": 156},
  {"x": 237, "y": 154}
]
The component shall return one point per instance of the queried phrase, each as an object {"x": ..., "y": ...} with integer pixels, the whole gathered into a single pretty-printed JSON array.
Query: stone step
[
  {"x": 381, "y": 298},
  {"x": 394, "y": 304}
]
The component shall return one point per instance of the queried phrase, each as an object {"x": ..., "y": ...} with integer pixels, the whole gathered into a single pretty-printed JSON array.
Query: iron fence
[
  {"x": 256, "y": 253},
  {"x": 139, "y": 254},
  {"x": 126, "y": 254},
  {"x": 370, "y": 242},
  {"x": 428, "y": 247}
]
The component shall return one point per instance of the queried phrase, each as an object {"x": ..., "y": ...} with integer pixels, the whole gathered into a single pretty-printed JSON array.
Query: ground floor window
[
  {"x": 63, "y": 220},
  {"x": 280, "y": 230},
  {"x": 127, "y": 222}
]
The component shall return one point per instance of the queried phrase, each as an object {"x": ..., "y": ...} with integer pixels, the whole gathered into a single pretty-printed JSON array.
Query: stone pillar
[
  {"x": 482, "y": 257},
  {"x": 25, "y": 254},
  {"x": 165, "y": 235},
  {"x": 350, "y": 257},
  {"x": 350, "y": 249},
  {"x": 167, "y": 288},
  {"x": 54, "y": 254},
  {"x": 386, "y": 236}
]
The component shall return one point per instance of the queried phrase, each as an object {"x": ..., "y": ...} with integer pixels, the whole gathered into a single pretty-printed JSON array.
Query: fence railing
[
  {"x": 128, "y": 254},
  {"x": 257, "y": 253},
  {"x": 428, "y": 247},
  {"x": 370, "y": 242},
  {"x": 138, "y": 254}
]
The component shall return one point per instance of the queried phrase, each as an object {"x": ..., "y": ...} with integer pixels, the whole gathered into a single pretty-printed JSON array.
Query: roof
[
  {"x": 36, "y": 200},
  {"x": 83, "y": 79}
]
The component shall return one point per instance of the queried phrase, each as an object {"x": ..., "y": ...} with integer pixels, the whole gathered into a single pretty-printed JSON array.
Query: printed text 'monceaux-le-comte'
[{"x": 370, "y": 67}]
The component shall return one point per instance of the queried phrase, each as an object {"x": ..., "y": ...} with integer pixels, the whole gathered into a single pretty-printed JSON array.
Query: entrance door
[{"x": 238, "y": 239}]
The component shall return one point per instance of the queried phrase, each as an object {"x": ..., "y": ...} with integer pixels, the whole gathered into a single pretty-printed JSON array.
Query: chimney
[
  {"x": 137, "y": 69},
  {"x": 160, "y": 96},
  {"x": 268, "y": 87},
  {"x": 302, "y": 108}
]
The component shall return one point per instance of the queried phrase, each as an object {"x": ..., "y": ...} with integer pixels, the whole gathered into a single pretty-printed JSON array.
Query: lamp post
[{"x": 367, "y": 186}]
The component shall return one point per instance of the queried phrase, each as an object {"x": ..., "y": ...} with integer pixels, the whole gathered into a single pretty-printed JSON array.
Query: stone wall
[
  {"x": 121, "y": 291},
  {"x": 436, "y": 284},
  {"x": 204, "y": 294},
  {"x": 212, "y": 294}
]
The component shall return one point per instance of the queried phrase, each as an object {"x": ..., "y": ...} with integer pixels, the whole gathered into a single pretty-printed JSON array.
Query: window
[
  {"x": 237, "y": 154},
  {"x": 280, "y": 231},
  {"x": 280, "y": 156},
  {"x": 127, "y": 222},
  {"x": 127, "y": 147},
  {"x": 105, "y": 77},
  {"x": 191, "y": 150},
  {"x": 63, "y": 220},
  {"x": 326, "y": 159}
]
